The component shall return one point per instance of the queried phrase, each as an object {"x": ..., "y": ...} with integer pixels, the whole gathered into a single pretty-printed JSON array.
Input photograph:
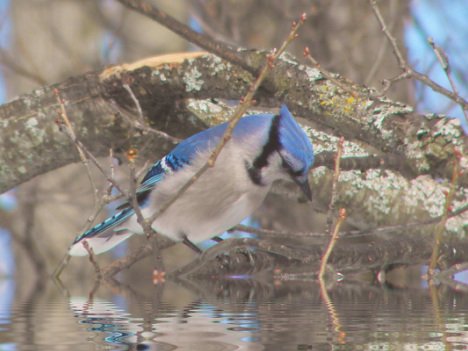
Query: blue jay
[{"x": 263, "y": 148}]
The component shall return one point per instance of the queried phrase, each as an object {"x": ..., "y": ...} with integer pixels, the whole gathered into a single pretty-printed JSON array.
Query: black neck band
[{"x": 273, "y": 144}]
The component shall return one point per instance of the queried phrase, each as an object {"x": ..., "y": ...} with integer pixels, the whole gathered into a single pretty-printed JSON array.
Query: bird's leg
[{"x": 191, "y": 245}]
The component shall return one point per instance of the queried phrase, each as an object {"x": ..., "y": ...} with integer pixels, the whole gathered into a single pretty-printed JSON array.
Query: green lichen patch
[
  {"x": 379, "y": 115},
  {"x": 415, "y": 153},
  {"x": 288, "y": 58},
  {"x": 338, "y": 103},
  {"x": 439, "y": 143},
  {"x": 385, "y": 197},
  {"x": 218, "y": 65},
  {"x": 208, "y": 112},
  {"x": 36, "y": 133},
  {"x": 313, "y": 74},
  {"x": 192, "y": 80},
  {"x": 450, "y": 130},
  {"x": 324, "y": 142},
  {"x": 162, "y": 77}
]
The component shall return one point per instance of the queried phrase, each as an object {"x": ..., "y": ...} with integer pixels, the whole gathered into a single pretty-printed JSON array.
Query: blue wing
[
  {"x": 167, "y": 165},
  {"x": 208, "y": 139}
]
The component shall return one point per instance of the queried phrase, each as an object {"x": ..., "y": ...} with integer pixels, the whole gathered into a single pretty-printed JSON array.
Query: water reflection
[
  {"x": 159, "y": 325},
  {"x": 236, "y": 315}
]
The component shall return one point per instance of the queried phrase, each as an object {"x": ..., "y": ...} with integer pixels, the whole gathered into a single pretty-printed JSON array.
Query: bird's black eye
[{"x": 291, "y": 170}]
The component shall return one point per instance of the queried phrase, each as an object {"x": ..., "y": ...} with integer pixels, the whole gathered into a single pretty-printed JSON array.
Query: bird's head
[{"x": 287, "y": 154}]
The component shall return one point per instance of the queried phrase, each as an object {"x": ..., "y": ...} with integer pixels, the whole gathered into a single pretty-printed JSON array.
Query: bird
[{"x": 263, "y": 148}]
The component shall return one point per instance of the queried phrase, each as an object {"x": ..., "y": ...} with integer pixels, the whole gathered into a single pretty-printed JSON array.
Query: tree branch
[{"x": 97, "y": 104}]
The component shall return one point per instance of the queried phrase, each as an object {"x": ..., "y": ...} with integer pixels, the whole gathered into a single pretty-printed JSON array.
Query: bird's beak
[{"x": 305, "y": 187}]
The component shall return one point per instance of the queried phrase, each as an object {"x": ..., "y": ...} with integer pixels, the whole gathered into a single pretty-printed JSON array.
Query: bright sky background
[{"x": 447, "y": 23}]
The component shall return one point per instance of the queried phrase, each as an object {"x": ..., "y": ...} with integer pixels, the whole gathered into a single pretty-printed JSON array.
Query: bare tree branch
[
  {"x": 406, "y": 68},
  {"x": 96, "y": 103}
]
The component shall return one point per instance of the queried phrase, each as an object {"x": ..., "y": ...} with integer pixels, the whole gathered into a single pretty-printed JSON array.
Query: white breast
[{"x": 220, "y": 199}]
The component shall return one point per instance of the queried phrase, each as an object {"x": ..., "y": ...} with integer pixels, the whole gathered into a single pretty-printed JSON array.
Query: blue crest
[{"x": 297, "y": 148}]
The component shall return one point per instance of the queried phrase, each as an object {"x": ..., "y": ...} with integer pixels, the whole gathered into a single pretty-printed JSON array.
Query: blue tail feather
[
  {"x": 102, "y": 236},
  {"x": 110, "y": 222}
]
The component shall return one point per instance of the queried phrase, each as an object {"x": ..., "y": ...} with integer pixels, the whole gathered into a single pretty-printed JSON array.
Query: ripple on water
[{"x": 372, "y": 318}]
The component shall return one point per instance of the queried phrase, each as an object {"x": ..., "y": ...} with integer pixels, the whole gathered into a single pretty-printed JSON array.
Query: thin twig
[
  {"x": 60, "y": 267},
  {"x": 127, "y": 80},
  {"x": 336, "y": 176},
  {"x": 146, "y": 225},
  {"x": 106, "y": 198},
  {"x": 148, "y": 230},
  {"x": 393, "y": 42},
  {"x": 101, "y": 169},
  {"x": 382, "y": 48},
  {"x": 141, "y": 123},
  {"x": 331, "y": 244},
  {"x": 112, "y": 171},
  {"x": 72, "y": 135},
  {"x": 440, "y": 228},
  {"x": 341, "y": 216},
  {"x": 445, "y": 64},
  {"x": 89, "y": 249},
  {"x": 387, "y": 83},
  {"x": 144, "y": 127}
]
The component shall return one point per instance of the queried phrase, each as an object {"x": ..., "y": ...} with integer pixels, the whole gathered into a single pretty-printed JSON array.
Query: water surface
[{"x": 232, "y": 314}]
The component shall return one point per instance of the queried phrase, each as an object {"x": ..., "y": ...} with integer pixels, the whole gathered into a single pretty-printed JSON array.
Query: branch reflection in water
[{"x": 236, "y": 314}]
